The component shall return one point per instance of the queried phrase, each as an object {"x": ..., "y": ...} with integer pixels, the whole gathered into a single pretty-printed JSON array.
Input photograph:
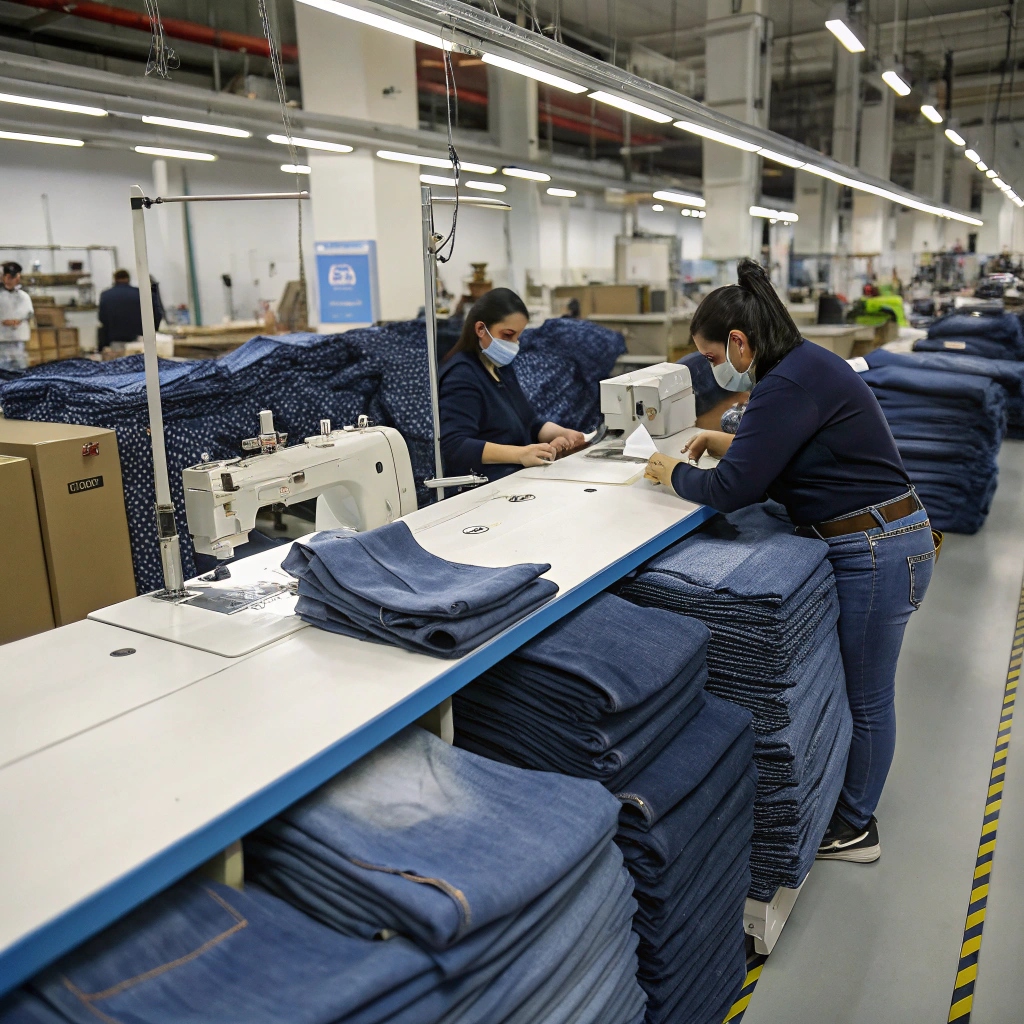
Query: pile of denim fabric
[
  {"x": 210, "y": 406},
  {"x": 948, "y": 429},
  {"x": 630, "y": 711},
  {"x": 769, "y": 599},
  {"x": 422, "y": 885},
  {"x": 990, "y": 333},
  {"x": 382, "y": 586}
]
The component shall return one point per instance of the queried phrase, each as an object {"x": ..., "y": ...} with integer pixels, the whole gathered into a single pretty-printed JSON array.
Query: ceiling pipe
[{"x": 176, "y": 28}]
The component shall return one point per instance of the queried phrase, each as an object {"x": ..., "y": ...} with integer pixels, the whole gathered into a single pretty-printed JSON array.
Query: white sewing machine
[{"x": 659, "y": 396}]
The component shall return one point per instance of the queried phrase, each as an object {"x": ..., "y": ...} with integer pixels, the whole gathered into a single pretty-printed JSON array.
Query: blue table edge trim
[{"x": 34, "y": 951}]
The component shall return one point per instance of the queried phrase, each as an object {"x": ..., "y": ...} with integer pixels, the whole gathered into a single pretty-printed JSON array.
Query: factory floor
[{"x": 882, "y": 942}]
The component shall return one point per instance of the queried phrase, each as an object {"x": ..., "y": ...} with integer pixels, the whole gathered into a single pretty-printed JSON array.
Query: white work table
[{"x": 119, "y": 775}]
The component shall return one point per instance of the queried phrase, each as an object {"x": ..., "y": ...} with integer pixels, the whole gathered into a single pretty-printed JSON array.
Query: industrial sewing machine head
[
  {"x": 660, "y": 397},
  {"x": 361, "y": 477}
]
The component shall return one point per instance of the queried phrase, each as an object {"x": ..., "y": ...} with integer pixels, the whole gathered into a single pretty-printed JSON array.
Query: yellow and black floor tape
[
  {"x": 970, "y": 951},
  {"x": 754, "y": 967}
]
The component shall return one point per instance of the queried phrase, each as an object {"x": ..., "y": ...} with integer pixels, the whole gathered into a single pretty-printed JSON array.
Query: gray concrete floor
[{"x": 881, "y": 942}]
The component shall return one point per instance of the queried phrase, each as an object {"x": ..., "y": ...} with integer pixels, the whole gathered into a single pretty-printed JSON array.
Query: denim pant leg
[{"x": 881, "y": 578}]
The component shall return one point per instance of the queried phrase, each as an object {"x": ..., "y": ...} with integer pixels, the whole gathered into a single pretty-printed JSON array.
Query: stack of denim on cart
[
  {"x": 769, "y": 599},
  {"x": 948, "y": 429},
  {"x": 382, "y": 586},
  {"x": 614, "y": 692},
  {"x": 990, "y": 334},
  {"x": 422, "y": 885}
]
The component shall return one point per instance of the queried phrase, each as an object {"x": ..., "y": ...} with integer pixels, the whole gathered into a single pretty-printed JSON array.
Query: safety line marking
[
  {"x": 754, "y": 967},
  {"x": 962, "y": 1001}
]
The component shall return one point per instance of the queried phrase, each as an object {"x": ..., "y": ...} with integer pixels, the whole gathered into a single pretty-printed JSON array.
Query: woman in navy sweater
[
  {"x": 487, "y": 424},
  {"x": 813, "y": 437}
]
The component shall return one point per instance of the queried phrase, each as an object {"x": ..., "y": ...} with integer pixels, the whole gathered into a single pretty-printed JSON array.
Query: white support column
[
  {"x": 737, "y": 52},
  {"x": 363, "y": 72},
  {"x": 926, "y": 231},
  {"x": 873, "y": 228}
]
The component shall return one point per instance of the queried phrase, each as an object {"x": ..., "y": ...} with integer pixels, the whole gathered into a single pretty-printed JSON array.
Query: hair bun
[{"x": 749, "y": 271}]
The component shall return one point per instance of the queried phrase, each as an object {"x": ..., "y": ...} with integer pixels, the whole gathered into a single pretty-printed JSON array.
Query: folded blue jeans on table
[
  {"x": 441, "y": 842},
  {"x": 1002, "y": 327},
  {"x": 382, "y": 585}
]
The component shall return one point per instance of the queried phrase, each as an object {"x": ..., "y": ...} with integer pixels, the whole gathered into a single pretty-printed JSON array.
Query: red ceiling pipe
[{"x": 176, "y": 28}]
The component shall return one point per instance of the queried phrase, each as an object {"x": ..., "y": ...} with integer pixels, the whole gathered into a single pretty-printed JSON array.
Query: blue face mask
[{"x": 500, "y": 352}]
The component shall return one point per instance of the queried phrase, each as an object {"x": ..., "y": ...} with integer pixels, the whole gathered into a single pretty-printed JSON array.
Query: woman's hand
[
  {"x": 659, "y": 469},
  {"x": 714, "y": 442},
  {"x": 563, "y": 438},
  {"x": 542, "y": 454}
]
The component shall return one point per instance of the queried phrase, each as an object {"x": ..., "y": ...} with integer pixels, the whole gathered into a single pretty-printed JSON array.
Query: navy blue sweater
[
  {"x": 813, "y": 437},
  {"x": 475, "y": 409}
]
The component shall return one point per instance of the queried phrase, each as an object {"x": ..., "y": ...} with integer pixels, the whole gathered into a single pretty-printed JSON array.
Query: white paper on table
[{"x": 640, "y": 444}]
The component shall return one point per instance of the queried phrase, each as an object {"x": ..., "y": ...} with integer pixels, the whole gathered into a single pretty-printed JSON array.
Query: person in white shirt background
[{"x": 15, "y": 314}]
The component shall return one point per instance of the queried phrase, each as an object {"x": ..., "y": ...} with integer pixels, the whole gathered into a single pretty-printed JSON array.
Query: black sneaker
[{"x": 844, "y": 842}]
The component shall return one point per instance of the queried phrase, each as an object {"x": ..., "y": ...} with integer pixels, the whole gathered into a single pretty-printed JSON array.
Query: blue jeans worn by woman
[{"x": 881, "y": 576}]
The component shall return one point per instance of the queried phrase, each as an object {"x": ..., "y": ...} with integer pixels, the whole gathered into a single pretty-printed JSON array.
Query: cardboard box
[
  {"x": 620, "y": 298},
  {"x": 24, "y": 585},
  {"x": 32, "y": 345},
  {"x": 77, "y": 476},
  {"x": 49, "y": 316},
  {"x": 67, "y": 337}
]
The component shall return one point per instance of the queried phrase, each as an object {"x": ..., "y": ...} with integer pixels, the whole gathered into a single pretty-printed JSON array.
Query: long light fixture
[
  {"x": 972, "y": 156},
  {"x": 49, "y": 140},
  {"x": 563, "y": 193},
  {"x": 780, "y": 158},
  {"x": 715, "y": 136},
  {"x": 540, "y": 76},
  {"x": 630, "y": 106},
  {"x": 991, "y": 173},
  {"x": 701, "y": 214},
  {"x": 197, "y": 126},
  {"x": 68, "y": 108},
  {"x": 683, "y": 198},
  {"x": 982, "y": 166},
  {"x": 434, "y": 179},
  {"x": 658, "y": 208},
  {"x": 434, "y": 161},
  {"x": 784, "y": 215},
  {"x": 523, "y": 172},
  {"x": 896, "y": 83},
  {"x": 486, "y": 186},
  {"x": 955, "y": 137},
  {"x": 377, "y": 21},
  {"x": 327, "y": 147},
  {"x": 177, "y": 154},
  {"x": 845, "y": 35},
  {"x": 999, "y": 183},
  {"x": 931, "y": 113},
  {"x": 296, "y": 169}
]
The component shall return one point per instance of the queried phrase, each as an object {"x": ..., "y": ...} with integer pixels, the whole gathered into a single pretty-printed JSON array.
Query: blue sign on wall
[{"x": 347, "y": 276}]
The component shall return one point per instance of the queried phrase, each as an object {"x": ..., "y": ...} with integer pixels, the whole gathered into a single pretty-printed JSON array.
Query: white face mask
[{"x": 729, "y": 377}]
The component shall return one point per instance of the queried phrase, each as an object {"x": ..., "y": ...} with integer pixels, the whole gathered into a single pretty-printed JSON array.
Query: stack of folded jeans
[
  {"x": 769, "y": 599},
  {"x": 423, "y": 885},
  {"x": 948, "y": 428},
  {"x": 382, "y": 586},
  {"x": 992, "y": 334},
  {"x": 614, "y": 692}
]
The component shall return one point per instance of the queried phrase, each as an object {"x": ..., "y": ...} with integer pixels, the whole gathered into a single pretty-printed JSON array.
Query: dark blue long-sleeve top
[
  {"x": 475, "y": 409},
  {"x": 813, "y": 437}
]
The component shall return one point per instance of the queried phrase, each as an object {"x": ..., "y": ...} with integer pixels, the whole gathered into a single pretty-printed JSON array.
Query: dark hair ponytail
[
  {"x": 491, "y": 308},
  {"x": 753, "y": 307}
]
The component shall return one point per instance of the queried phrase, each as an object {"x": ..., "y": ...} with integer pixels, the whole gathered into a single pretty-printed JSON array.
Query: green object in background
[{"x": 876, "y": 306}]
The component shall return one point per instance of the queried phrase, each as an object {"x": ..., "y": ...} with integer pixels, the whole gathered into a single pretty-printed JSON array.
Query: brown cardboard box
[
  {"x": 67, "y": 337},
  {"x": 32, "y": 345},
  {"x": 81, "y": 512},
  {"x": 24, "y": 585},
  {"x": 561, "y": 296},
  {"x": 49, "y": 316},
  {"x": 619, "y": 298}
]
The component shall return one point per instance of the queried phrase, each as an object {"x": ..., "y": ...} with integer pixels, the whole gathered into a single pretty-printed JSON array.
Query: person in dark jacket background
[
  {"x": 487, "y": 424},
  {"x": 120, "y": 310}
]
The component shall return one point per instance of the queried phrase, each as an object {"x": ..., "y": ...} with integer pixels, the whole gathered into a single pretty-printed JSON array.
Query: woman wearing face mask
[
  {"x": 813, "y": 437},
  {"x": 487, "y": 423}
]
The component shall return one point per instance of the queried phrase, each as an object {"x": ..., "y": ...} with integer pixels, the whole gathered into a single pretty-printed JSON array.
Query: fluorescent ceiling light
[
  {"x": 327, "y": 147},
  {"x": 982, "y": 166},
  {"x": 845, "y": 35},
  {"x": 955, "y": 137},
  {"x": 197, "y": 126},
  {"x": 434, "y": 161},
  {"x": 565, "y": 193},
  {"x": 780, "y": 158},
  {"x": 700, "y": 213},
  {"x": 295, "y": 169},
  {"x": 931, "y": 113},
  {"x": 687, "y": 213},
  {"x": 999, "y": 183},
  {"x": 433, "y": 179},
  {"x": 376, "y": 21},
  {"x": 633, "y": 108},
  {"x": 783, "y": 215},
  {"x": 50, "y": 140},
  {"x": 991, "y": 174},
  {"x": 522, "y": 172},
  {"x": 972, "y": 156},
  {"x": 658, "y": 208},
  {"x": 69, "y": 108},
  {"x": 710, "y": 133},
  {"x": 679, "y": 197},
  {"x": 178, "y": 154},
  {"x": 541, "y": 76},
  {"x": 896, "y": 83},
  {"x": 486, "y": 186}
]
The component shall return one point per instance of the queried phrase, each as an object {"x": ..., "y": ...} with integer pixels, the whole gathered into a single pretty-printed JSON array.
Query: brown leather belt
[{"x": 866, "y": 520}]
